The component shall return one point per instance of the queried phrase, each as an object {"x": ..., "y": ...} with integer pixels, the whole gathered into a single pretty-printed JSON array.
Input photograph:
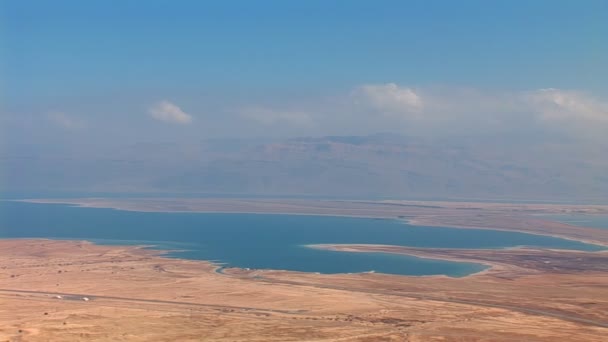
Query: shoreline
[
  {"x": 424, "y": 220},
  {"x": 491, "y": 267},
  {"x": 513, "y": 261},
  {"x": 370, "y": 248},
  {"x": 430, "y": 224},
  {"x": 218, "y": 267},
  {"x": 59, "y": 287}
]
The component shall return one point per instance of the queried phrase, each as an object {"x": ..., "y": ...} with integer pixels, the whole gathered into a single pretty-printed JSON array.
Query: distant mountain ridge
[{"x": 381, "y": 165}]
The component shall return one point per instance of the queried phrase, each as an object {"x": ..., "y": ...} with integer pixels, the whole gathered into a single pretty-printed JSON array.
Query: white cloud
[
  {"x": 168, "y": 112},
  {"x": 463, "y": 111},
  {"x": 268, "y": 116},
  {"x": 565, "y": 105},
  {"x": 390, "y": 98},
  {"x": 455, "y": 105},
  {"x": 66, "y": 121}
]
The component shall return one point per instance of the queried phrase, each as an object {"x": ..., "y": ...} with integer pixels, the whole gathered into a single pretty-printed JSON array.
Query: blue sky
[{"x": 301, "y": 67}]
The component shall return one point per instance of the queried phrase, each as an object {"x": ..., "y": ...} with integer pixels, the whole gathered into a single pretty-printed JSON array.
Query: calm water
[
  {"x": 264, "y": 241},
  {"x": 593, "y": 221}
]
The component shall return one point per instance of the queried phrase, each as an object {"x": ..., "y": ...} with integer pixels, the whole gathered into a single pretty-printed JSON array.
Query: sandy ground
[
  {"x": 77, "y": 291},
  {"x": 137, "y": 295}
]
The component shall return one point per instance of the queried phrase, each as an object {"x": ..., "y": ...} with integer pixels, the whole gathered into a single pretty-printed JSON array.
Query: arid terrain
[
  {"x": 74, "y": 290},
  {"x": 313, "y": 170}
]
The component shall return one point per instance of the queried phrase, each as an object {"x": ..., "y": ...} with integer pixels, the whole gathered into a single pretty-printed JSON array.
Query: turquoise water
[
  {"x": 265, "y": 241},
  {"x": 593, "y": 221}
]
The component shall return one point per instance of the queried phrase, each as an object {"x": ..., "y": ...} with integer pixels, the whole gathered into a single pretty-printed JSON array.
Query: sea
[{"x": 267, "y": 241}]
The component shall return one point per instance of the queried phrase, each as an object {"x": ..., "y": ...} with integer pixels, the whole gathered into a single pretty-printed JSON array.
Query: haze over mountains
[{"x": 380, "y": 165}]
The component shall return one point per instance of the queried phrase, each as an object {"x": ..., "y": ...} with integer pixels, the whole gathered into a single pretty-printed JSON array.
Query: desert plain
[{"x": 52, "y": 290}]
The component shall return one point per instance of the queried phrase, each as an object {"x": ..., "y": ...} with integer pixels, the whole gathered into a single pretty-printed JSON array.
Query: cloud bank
[
  {"x": 390, "y": 98},
  {"x": 168, "y": 112},
  {"x": 556, "y": 104},
  {"x": 445, "y": 110},
  {"x": 424, "y": 111}
]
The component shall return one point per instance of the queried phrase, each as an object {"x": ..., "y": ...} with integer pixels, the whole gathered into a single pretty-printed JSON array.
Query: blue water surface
[{"x": 263, "y": 241}]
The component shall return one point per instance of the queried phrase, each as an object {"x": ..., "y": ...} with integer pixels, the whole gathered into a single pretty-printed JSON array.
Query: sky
[{"x": 101, "y": 72}]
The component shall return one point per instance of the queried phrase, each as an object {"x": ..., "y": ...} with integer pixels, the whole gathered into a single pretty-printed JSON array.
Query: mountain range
[{"x": 374, "y": 166}]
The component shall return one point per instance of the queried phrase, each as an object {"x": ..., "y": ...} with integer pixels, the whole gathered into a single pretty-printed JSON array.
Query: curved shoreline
[
  {"x": 45, "y": 283},
  {"x": 424, "y": 216},
  {"x": 470, "y": 261},
  {"x": 491, "y": 266},
  {"x": 514, "y": 262},
  {"x": 370, "y": 248},
  {"x": 431, "y": 224},
  {"x": 524, "y": 294}
]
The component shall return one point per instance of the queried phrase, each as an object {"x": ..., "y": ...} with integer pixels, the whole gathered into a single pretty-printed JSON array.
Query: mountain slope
[{"x": 357, "y": 166}]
